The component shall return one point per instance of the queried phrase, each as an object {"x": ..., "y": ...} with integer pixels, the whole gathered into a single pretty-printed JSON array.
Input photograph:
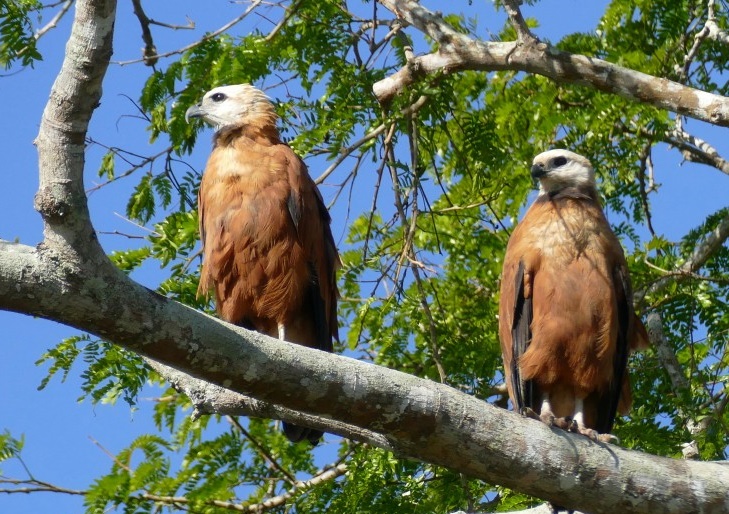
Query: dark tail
[{"x": 295, "y": 433}]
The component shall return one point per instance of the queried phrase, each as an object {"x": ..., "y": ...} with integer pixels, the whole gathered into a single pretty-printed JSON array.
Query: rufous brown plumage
[
  {"x": 566, "y": 316},
  {"x": 268, "y": 252}
]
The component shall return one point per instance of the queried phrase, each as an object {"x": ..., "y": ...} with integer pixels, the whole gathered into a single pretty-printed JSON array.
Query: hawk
[
  {"x": 566, "y": 316},
  {"x": 268, "y": 252}
]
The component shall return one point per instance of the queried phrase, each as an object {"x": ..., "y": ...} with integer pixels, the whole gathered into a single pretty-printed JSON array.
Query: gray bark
[
  {"x": 69, "y": 279},
  {"x": 458, "y": 52}
]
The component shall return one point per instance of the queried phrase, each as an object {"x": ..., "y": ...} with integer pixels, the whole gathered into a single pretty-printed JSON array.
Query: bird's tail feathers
[{"x": 295, "y": 433}]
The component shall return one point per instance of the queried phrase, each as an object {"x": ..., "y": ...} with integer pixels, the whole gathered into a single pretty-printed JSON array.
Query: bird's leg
[
  {"x": 282, "y": 332},
  {"x": 578, "y": 421},
  {"x": 547, "y": 415},
  {"x": 578, "y": 425}
]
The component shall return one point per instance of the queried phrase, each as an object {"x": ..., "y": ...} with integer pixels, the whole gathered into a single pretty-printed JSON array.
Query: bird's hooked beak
[
  {"x": 538, "y": 171},
  {"x": 196, "y": 111}
]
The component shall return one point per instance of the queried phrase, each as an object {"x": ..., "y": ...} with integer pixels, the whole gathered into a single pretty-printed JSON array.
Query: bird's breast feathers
[{"x": 565, "y": 231}]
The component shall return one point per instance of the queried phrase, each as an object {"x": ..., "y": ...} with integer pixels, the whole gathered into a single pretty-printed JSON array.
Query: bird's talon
[
  {"x": 563, "y": 423},
  {"x": 548, "y": 419},
  {"x": 608, "y": 438},
  {"x": 529, "y": 413},
  {"x": 588, "y": 432}
]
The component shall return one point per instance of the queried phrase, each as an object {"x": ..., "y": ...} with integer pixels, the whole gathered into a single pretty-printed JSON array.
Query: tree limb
[
  {"x": 209, "y": 398},
  {"x": 703, "y": 251},
  {"x": 458, "y": 52},
  {"x": 695, "y": 149},
  {"x": 419, "y": 418}
]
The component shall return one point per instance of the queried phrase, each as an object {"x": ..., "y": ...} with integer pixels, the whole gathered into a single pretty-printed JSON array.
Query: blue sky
[{"x": 59, "y": 431}]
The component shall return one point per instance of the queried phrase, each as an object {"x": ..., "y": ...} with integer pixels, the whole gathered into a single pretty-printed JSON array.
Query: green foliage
[
  {"x": 436, "y": 194},
  {"x": 10, "y": 447},
  {"x": 17, "y": 42},
  {"x": 110, "y": 373}
]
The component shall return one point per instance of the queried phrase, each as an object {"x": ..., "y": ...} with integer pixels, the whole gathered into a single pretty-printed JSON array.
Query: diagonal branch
[
  {"x": 697, "y": 150},
  {"x": 517, "y": 20},
  {"x": 702, "y": 253},
  {"x": 458, "y": 52},
  {"x": 419, "y": 418}
]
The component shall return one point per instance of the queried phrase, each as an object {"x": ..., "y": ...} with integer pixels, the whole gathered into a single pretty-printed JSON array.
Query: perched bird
[
  {"x": 268, "y": 251},
  {"x": 566, "y": 316}
]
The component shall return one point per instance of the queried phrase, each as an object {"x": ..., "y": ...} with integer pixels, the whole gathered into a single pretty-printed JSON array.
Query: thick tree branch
[
  {"x": 75, "y": 94},
  {"x": 458, "y": 52},
  {"x": 212, "y": 399},
  {"x": 715, "y": 32},
  {"x": 517, "y": 20},
  {"x": 419, "y": 418}
]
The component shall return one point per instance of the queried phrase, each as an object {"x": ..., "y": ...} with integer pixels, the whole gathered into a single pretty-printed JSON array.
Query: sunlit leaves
[
  {"x": 10, "y": 447},
  {"x": 17, "y": 41},
  {"x": 111, "y": 372}
]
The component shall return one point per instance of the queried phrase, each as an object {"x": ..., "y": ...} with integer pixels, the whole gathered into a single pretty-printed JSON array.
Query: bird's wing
[
  {"x": 520, "y": 339},
  {"x": 311, "y": 219},
  {"x": 204, "y": 285},
  {"x": 515, "y": 317},
  {"x": 607, "y": 407}
]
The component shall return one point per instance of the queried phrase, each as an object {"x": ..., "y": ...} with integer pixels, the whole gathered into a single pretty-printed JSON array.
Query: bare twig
[
  {"x": 408, "y": 247},
  {"x": 697, "y": 150},
  {"x": 200, "y": 41},
  {"x": 688, "y": 59},
  {"x": 517, "y": 20},
  {"x": 35, "y": 486},
  {"x": 372, "y": 134},
  {"x": 53, "y": 23},
  {"x": 686, "y": 274},
  {"x": 145, "y": 161},
  {"x": 300, "y": 487},
  {"x": 113, "y": 457},
  {"x": 645, "y": 164},
  {"x": 284, "y": 20},
  {"x": 117, "y": 233},
  {"x": 410, "y": 229},
  {"x": 149, "y": 52},
  {"x": 261, "y": 450},
  {"x": 703, "y": 251}
]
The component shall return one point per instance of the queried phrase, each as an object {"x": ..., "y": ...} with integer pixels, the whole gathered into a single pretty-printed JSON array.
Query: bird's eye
[
  {"x": 559, "y": 161},
  {"x": 218, "y": 97}
]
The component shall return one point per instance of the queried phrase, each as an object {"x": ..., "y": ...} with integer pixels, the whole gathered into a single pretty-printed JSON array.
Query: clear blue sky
[{"x": 59, "y": 430}]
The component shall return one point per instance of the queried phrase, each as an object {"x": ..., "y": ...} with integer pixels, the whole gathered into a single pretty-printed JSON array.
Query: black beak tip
[{"x": 538, "y": 171}]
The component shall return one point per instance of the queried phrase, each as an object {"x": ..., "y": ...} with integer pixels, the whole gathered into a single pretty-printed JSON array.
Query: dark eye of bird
[
  {"x": 218, "y": 97},
  {"x": 559, "y": 161}
]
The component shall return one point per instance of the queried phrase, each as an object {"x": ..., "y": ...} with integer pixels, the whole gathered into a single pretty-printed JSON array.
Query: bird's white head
[
  {"x": 240, "y": 104},
  {"x": 560, "y": 169}
]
